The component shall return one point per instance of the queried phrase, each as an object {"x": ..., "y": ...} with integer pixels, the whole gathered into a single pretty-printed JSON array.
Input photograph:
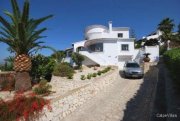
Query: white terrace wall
[{"x": 63, "y": 106}]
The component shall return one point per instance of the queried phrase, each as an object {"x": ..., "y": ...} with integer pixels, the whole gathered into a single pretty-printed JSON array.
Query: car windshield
[{"x": 132, "y": 65}]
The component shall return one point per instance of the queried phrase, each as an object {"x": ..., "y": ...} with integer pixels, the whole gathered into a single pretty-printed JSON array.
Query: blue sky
[{"x": 72, "y": 16}]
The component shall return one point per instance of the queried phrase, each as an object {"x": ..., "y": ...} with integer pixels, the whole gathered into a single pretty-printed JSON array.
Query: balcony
[{"x": 96, "y": 35}]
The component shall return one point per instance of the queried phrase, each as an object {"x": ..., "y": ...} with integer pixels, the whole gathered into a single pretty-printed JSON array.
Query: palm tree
[
  {"x": 22, "y": 36},
  {"x": 166, "y": 26},
  {"x": 179, "y": 29},
  {"x": 59, "y": 55}
]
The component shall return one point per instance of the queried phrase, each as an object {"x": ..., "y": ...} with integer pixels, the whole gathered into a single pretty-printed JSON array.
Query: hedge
[{"x": 172, "y": 60}]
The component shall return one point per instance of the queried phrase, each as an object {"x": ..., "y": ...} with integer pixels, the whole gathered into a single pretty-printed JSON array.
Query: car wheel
[
  {"x": 125, "y": 76},
  {"x": 141, "y": 77}
]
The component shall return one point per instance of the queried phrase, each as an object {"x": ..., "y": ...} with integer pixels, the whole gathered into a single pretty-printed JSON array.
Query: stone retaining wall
[
  {"x": 6, "y": 76},
  {"x": 64, "y": 105}
]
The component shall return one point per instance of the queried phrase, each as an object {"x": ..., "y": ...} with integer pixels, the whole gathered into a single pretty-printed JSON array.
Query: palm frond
[
  {"x": 33, "y": 23},
  {"x": 16, "y": 11},
  {"x": 21, "y": 33},
  {"x": 10, "y": 15},
  {"x": 35, "y": 50},
  {"x": 25, "y": 14},
  {"x": 6, "y": 24},
  {"x": 36, "y": 34}
]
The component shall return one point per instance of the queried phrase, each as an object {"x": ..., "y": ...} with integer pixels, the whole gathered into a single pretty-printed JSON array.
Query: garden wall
[
  {"x": 64, "y": 105},
  {"x": 6, "y": 78},
  {"x": 154, "y": 53}
]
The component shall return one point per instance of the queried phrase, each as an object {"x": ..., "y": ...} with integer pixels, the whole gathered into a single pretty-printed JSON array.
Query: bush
[
  {"x": 106, "y": 69},
  {"x": 89, "y": 76},
  {"x": 43, "y": 88},
  {"x": 99, "y": 73},
  {"x": 63, "y": 70},
  {"x": 42, "y": 67},
  {"x": 172, "y": 60},
  {"x": 94, "y": 75},
  {"x": 78, "y": 59},
  {"x": 8, "y": 65},
  {"x": 162, "y": 49},
  {"x": 70, "y": 76},
  {"x": 83, "y": 77},
  {"x": 21, "y": 106}
]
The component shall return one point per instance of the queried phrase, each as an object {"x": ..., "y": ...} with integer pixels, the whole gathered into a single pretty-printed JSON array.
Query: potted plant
[{"x": 146, "y": 57}]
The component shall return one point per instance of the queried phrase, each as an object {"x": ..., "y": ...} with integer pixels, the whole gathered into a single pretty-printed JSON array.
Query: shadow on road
[{"x": 139, "y": 108}]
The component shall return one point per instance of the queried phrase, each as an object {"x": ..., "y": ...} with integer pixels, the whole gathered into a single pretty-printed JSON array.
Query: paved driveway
[{"x": 125, "y": 99}]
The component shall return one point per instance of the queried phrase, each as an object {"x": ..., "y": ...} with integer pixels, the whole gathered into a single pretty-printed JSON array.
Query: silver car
[{"x": 133, "y": 69}]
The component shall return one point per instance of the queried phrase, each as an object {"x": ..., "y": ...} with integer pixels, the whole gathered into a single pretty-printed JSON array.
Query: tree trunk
[{"x": 23, "y": 81}]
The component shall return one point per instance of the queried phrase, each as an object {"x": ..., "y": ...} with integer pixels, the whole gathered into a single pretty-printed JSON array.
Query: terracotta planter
[{"x": 146, "y": 59}]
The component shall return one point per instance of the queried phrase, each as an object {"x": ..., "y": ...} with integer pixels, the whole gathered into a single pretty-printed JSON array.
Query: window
[
  {"x": 124, "y": 47},
  {"x": 120, "y": 35},
  {"x": 98, "y": 47},
  {"x": 132, "y": 65}
]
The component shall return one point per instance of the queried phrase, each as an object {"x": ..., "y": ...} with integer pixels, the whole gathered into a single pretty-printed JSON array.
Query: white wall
[
  {"x": 110, "y": 52},
  {"x": 111, "y": 45},
  {"x": 87, "y": 61},
  {"x": 78, "y": 44},
  {"x": 152, "y": 37},
  {"x": 99, "y": 32},
  {"x": 131, "y": 47},
  {"x": 154, "y": 51}
]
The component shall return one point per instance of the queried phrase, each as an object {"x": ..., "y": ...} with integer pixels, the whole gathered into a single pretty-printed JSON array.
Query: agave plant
[{"x": 22, "y": 36}]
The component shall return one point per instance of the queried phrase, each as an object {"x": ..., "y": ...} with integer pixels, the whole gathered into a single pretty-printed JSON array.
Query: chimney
[{"x": 110, "y": 26}]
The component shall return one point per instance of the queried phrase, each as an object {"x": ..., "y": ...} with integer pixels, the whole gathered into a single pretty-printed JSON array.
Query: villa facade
[{"x": 106, "y": 46}]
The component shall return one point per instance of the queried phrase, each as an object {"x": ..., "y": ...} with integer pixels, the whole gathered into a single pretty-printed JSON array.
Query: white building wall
[
  {"x": 154, "y": 53},
  {"x": 78, "y": 44},
  {"x": 152, "y": 37},
  {"x": 113, "y": 34},
  {"x": 95, "y": 30},
  {"x": 88, "y": 61},
  {"x": 120, "y": 52},
  {"x": 131, "y": 47},
  {"x": 111, "y": 52}
]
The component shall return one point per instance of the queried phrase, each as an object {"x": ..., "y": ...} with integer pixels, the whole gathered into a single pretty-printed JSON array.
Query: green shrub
[
  {"x": 70, "y": 76},
  {"x": 94, "y": 75},
  {"x": 99, "y": 73},
  {"x": 104, "y": 71},
  {"x": 78, "y": 59},
  {"x": 63, "y": 70},
  {"x": 89, "y": 76},
  {"x": 83, "y": 77},
  {"x": 162, "y": 49},
  {"x": 43, "y": 88},
  {"x": 172, "y": 60},
  {"x": 109, "y": 67},
  {"x": 42, "y": 67}
]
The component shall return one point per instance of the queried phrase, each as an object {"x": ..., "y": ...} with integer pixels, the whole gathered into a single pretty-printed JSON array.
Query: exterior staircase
[{"x": 94, "y": 57}]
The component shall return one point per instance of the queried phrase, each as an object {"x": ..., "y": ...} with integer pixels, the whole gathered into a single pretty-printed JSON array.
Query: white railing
[
  {"x": 97, "y": 35},
  {"x": 139, "y": 57}
]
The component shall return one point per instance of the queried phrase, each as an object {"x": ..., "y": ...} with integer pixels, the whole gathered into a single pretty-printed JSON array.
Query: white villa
[
  {"x": 106, "y": 46},
  {"x": 153, "y": 35}
]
